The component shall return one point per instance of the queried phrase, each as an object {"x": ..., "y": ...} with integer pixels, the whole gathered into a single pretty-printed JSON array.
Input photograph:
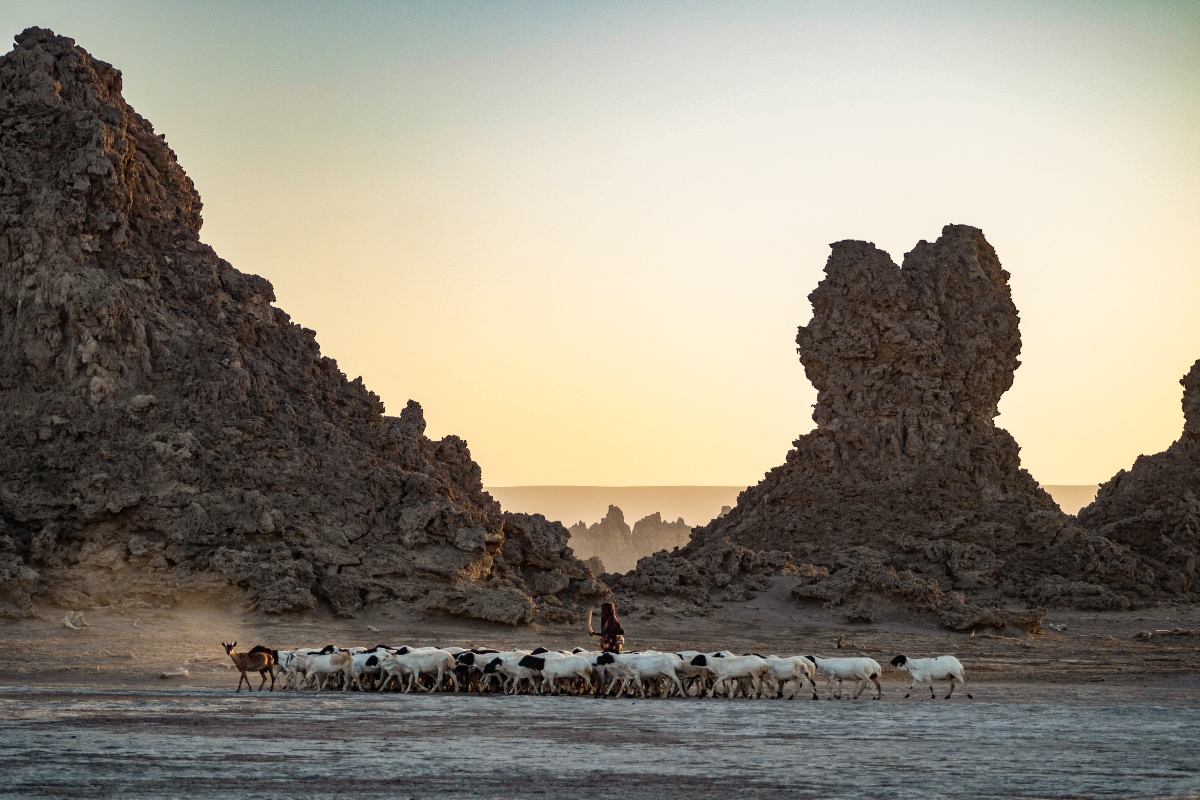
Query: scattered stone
[{"x": 74, "y": 620}]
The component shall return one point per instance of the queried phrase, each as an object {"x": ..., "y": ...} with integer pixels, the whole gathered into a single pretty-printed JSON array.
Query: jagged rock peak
[
  {"x": 902, "y": 357},
  {"x": 906, "y": 495},
  {"x": 89, "y": 190},
  {"x": 169, "y": 432},
  {"x": 1154, "y": 507},
  {"x": 1191, "y": 403},
  {"x": 123, "y": 178}
]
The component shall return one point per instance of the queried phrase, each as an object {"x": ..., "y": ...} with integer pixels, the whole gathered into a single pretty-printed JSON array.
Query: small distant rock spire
[
  {"x": 1191, "y": 401},
  {"x": 412, "y": 421}
]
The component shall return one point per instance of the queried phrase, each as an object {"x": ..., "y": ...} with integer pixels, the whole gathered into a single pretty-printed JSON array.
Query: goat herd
[{"x": 601, "y": 674}]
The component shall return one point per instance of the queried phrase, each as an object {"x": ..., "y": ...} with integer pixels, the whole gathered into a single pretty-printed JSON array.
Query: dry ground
[
  {"x": 131, "y": 646},
  {"x": 1089, "y": 711}
]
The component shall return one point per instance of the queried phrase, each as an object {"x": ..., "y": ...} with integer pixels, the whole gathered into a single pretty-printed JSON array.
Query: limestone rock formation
[
  {"x": 610, "y": 540},
  {"x": 907, "y": 494},
  {"x": 618, "y": 547},
  {"x": 167, "y": 431},
  {"x": 1154, "y": 508},
  {"x": 652, "y": 533}
]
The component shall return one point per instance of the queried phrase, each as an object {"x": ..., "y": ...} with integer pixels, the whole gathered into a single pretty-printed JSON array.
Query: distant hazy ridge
[
  {"x": 696, "y": 504},
  {"x": 571, "y": 504}
]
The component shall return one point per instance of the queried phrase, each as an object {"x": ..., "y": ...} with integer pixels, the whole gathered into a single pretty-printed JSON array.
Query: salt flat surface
[{"x": 1051, "y": 742}]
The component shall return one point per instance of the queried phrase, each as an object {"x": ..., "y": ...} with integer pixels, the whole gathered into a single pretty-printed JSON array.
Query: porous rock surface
[
  {"x": 165, "y": 431},
  {"x": 1154, "y": 507},
  {"x": 906, "y": 495}
]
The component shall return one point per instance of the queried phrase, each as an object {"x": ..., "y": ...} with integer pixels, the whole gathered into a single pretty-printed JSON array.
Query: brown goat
[{"x": 260, "y": 660}]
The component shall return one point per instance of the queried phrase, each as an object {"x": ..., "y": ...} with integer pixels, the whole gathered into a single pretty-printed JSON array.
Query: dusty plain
[
  {"x": 131, "y": 646},
  {"x": 1095, "y": 709}
]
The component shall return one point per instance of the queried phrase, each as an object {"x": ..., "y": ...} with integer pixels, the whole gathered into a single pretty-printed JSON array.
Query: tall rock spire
[
  {"x": 909, "y": 361},
  {"x": 907, "y": 495},
  {"x": 1191, "y": 406}
]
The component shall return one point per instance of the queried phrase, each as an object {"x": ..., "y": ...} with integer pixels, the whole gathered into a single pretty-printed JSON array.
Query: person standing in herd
[{"x": 612, "y": 632}]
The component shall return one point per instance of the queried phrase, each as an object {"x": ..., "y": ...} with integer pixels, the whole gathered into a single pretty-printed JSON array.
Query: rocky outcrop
[
  {"x": 907, "y": 495},
  {"x": 168, "y": 432},
  {"x": 610, "y": 540},
  {"x": 653, "y": 533},
  {"x": 618, "y": 547},
  {"x": 1154, "y": 507}
]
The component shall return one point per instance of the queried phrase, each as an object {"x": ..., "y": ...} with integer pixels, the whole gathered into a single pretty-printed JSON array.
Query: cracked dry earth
[{"x": 1089, "y": 711}]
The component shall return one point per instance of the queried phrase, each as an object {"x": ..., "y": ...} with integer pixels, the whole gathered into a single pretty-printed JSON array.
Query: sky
[{"x": 582, "y": 235}]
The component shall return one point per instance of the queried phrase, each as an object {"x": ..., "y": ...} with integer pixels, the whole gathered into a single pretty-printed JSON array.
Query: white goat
[
  {"x": 366, "y": 665},
  {"x": 690, "y": 674},
  {"x": 652, "y": 665},
  {"x": 938, "y": 668},
  {"x": 415, "y": 663},
  {"x": 509, "y": 666},
  {"x": 636, "y": 668},
  {"x": 295, "y": 663},
  {"x": 794, "y": 668},
  {"x": 862, "y": 670},
  {"x": 556, "y": 666},
  {"x": 286, "y": 661},
  {"x": 469, "y": 666},
  {"x": 726, "y": 671},
  {"x": 320, "y": 666}
]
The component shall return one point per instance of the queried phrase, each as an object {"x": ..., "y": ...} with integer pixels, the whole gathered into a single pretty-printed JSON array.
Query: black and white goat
[
  {"x": 864, "y": 671},
  {"x": 938, "y": 668},
  {"x": 729, "y": 671}
]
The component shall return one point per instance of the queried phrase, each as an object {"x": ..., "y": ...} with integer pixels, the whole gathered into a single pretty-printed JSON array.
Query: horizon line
[{"x": 672, "y": 485}]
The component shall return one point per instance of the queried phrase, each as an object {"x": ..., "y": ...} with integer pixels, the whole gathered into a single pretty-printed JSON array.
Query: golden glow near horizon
[{"x": 583, "y": 237}]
